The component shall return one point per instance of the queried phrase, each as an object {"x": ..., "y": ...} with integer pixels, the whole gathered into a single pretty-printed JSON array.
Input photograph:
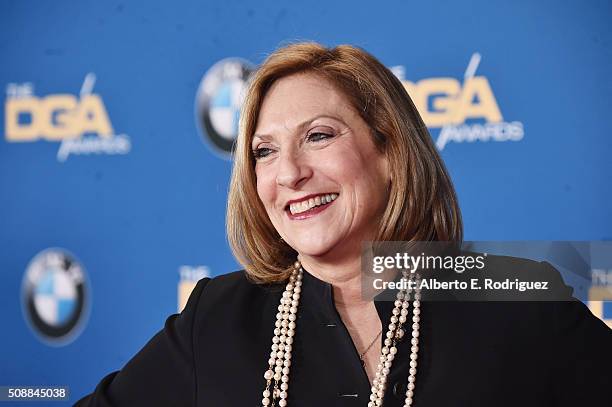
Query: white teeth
[{"x": 311, "y": 203}]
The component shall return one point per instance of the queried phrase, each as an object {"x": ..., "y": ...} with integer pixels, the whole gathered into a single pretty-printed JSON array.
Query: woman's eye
[
  {"x": 261, "y": 152},
  {"x": 318, "y": 136}
]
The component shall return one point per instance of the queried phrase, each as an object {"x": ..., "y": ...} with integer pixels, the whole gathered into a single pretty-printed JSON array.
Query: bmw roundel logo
[
  {"x": 218, "y": 101},
  {"x": 55, "y": 296}
]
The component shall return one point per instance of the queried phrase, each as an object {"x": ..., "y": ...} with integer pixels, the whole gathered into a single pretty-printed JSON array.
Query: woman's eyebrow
[
  {"x": 300, "y": 126},
  {"x": 262, "y": 137}
]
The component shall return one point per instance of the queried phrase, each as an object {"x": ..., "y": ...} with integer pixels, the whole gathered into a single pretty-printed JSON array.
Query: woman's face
[{"x": 319, "y": 175}]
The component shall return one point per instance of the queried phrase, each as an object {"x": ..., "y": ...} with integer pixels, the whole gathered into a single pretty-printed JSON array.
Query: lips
[
  {"x": 309, "y": 206},
  {"x": 309, "y": 203}
]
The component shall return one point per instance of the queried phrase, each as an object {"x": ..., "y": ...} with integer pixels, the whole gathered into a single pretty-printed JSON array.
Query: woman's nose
[{"x": 292, "y": 171}]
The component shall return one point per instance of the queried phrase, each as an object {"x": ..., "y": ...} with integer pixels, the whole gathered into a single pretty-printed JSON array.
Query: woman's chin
[{"x": 314, "y": 249}]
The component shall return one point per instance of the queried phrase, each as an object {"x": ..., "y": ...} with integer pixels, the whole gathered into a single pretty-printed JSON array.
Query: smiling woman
[
  {"x": 328, "y": 118},
  {"x": 332, "y": 153},
  {"x": 311, "y": 147}
]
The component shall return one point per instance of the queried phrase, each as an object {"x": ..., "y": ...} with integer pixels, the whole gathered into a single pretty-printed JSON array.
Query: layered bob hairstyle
[{"x": 422, "y": 202}]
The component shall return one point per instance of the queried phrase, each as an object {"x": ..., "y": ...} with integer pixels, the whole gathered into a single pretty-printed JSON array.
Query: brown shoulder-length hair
[{"x": 422, "y": 202}]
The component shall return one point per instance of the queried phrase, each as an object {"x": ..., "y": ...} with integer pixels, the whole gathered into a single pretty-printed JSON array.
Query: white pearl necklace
[{"x": 277, "y": 375}]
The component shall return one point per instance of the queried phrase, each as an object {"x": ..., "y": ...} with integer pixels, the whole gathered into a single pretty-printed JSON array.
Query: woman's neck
[{"x": 344, "y": 276}]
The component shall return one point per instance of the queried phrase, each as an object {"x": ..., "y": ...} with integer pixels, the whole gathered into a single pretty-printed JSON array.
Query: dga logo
[
  {"x": 464, "y": 112},
  {"x": 218, "y": 101},
  {"x": 81, "y": 124},
  {"x": 55, "y": 296}
]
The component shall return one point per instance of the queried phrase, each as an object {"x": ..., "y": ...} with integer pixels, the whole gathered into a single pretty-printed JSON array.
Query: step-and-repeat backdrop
[{"x": 118, "y": 117}]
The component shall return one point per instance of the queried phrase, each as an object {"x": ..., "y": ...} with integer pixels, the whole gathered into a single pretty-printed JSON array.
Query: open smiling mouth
[{"x": 311, "y": 206}]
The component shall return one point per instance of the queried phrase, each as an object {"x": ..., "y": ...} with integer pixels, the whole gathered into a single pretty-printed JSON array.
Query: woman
[{"x": 332, "y": 153}]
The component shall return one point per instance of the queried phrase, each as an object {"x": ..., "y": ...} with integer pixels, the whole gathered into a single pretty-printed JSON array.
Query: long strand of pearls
[
  {"x": 394, "y": 334},
  {"x": 277, "y": 375}
]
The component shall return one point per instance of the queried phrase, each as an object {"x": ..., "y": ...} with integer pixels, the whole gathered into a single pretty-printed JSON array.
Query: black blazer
[{"x": 470, "y": 354}]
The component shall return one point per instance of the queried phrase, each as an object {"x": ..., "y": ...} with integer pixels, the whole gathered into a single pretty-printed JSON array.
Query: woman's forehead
[{"x": 298, "y": 99}]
